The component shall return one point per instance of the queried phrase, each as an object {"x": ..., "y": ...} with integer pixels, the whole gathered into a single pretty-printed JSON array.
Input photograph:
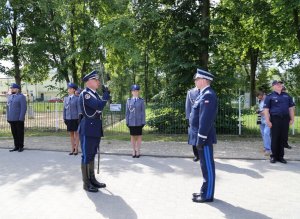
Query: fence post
[
  {"x": 56, "y": 117},
  {"x": 240, "y": 114},
  {"x": 293, "y": 130}
]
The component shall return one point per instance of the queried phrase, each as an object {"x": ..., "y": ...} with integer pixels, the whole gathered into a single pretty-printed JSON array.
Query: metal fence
[{"x": 161, "y": 118}]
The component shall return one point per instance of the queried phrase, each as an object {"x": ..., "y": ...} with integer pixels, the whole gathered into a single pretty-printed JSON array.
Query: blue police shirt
[
  {"x": 16, "y": 107},
  {"x": 202, "y": 118},
  {"x": 91, "y": 107},
  {"x": 278, "y": 104},
  {"x": 72, "y": 108},
  {"x": 135, "y": 112}
]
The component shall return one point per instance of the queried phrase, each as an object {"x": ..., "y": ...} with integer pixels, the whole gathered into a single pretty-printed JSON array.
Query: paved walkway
[
  {"x": 46, "y": 183},
  {"x": 223, "y": 149}
]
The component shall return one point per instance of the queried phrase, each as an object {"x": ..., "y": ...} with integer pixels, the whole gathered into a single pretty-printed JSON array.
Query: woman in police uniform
[
  {"x": 71, "y": 116},
  {"x": 135, "y": 119}
]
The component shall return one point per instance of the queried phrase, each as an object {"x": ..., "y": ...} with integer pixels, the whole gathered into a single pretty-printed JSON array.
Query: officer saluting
[
  {"x": 203, "y": 133},
  {"x": 16, "y": 110},
  {"x": 191, "y": 96},
  {"x": 90, "y": 129}
]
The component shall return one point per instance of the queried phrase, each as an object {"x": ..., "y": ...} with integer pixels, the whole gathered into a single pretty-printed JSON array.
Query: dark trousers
[
  {"x": 89, "y": 147},
  {"x": 207, "y": 164},
  {"x": 279, "y": 135},
  {"x": 195, "y": 151},
  {"x": 17, "y": 130}
]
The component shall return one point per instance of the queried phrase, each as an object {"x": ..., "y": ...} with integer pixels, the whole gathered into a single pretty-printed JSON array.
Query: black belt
[
  {"x": 280, "y": 115},
  {"x": 97, "y": 116}
]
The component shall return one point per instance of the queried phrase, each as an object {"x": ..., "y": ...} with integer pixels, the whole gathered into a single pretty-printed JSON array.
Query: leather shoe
[
  {"x": 196, "y": 194},
  {"x": 196, "y": 159},
  {"x": 282, "y": 160},
  {"x": 272, "y": 160},
  {"x": 288, "y": 147},
  {"x": 198, "y": 199},
  {"x": 21, "y": 149},
  {"x": 14, "y": 149}
]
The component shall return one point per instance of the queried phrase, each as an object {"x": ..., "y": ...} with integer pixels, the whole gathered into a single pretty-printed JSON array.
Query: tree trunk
[
  {"x": 253, "y": 65},
  {"x": 205, "y": 12},
  {"x": 16, "y": 56},
  {"x": 296, "y": 23},
  {"x": 73, "y": 48},
  {"x": 146, "y": 73}
]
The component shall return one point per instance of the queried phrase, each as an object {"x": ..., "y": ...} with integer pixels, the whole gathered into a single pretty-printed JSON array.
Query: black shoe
[
  {"x": 282, "y": 160},
  {"x": 21, "y": 149},
  {"x": 288, "y": 147},
  {"x": 195, "y": 159},
  {"x": 137, "y": 156},
  {"x": 272, "y": 160},
  {"x": 196, "y": 194},
  {"x": 198, "y": 199},
  {"x": 133, "y": 156},
  {"x": 90, "y": 188},
  {"x": 75, "y": 153},
  {"x": 14, "y": 149}
]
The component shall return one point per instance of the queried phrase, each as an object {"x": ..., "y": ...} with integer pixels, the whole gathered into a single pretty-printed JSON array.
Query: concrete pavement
[{"x": 47, "y": 184}]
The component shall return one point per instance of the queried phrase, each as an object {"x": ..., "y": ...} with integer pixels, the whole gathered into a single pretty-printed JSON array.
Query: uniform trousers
[
  {"x": 17, "y": 130},
  {"x": 279, "y": 134},
  {"x": 89, "y": 147},
  {"x": 207, "y": 165}
]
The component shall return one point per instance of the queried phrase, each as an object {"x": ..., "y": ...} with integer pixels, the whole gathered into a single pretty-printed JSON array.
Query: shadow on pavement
[
  {"x": 237, "y": 170},
  {"x": 231, "y": 211},
  {"x": 111, "y": 206}
]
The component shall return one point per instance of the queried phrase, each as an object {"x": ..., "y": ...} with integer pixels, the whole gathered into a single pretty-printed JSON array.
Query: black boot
[
  {"x": 93, "y": 178},
  {"x": 87, "y": 185}
]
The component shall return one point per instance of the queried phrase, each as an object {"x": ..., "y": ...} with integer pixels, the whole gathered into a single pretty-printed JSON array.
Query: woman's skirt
[
  {"x": 72, "y": 125},
  {"x": 136, "y": 130}
]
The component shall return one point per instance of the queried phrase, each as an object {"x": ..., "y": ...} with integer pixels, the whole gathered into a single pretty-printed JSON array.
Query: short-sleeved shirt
[{"x": 278, "y": 104}]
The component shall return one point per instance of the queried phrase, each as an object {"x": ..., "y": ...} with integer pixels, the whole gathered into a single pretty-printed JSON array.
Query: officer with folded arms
[
  {"x": 90, "y": 128},
  {"x": 279, "y": 113},
  {"x": 202, "y": 133},
  {"x": 16, "y": 110}
]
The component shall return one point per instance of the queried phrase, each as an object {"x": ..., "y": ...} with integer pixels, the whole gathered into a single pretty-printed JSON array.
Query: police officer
[
  {"x": 135, "y": 119},
  {"x": 191, "y": 96},
  {"x": 279, "y": 113},
  {"x": 203, "y": 133},
  {"x": 71, "y": 115},
  {"x": 90, "y": 128},
  {"x": 16, "y": 110}
]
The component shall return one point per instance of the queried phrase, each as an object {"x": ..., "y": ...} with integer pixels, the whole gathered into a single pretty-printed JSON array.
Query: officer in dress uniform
[
  {"x": 191, "y": 96},
  {"x": 135, "y": 119},
  {"x": 16, "y": 110},
  {"x": 71, "y": 115},
  {"x": 279, "y": 113},
  {"x": 203, "y": 133},
  {"x": 90, "y": 128}
]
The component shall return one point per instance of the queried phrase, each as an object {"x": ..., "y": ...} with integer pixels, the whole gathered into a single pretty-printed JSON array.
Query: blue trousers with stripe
[
  {"x": 89, "y": 147},
  {"x": 207, "y": 165}
]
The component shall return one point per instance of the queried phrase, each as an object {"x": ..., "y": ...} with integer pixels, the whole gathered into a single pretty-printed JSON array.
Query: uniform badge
[
  {"x": 87, "y": 96},
  {"x": 206, "y": 101}
]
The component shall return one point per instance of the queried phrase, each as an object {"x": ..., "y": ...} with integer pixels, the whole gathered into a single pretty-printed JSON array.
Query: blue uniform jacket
[
  {"x": 16, "y": 107},
  {"x": 135, "y": 112},
  {"x": 202, "y": 118},
  {"x": 278, "y": 104},
  {"x": 71, "y": 108},
  {"x": 91, "y": 106},
  {"x": 191, "y": 96}
]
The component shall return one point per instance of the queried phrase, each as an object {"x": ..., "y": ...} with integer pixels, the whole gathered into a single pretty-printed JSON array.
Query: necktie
[{"x": 199, "y": 91}]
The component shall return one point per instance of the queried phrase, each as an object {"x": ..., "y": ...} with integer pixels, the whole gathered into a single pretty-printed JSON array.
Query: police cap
[
  {"x": 14, "y": 85},
  {"x": 72, "y": 85},
  {"x": 92, "y": 75},
  {"x": 204, "y": 74},
  {"x": 135, "y": 87}
]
